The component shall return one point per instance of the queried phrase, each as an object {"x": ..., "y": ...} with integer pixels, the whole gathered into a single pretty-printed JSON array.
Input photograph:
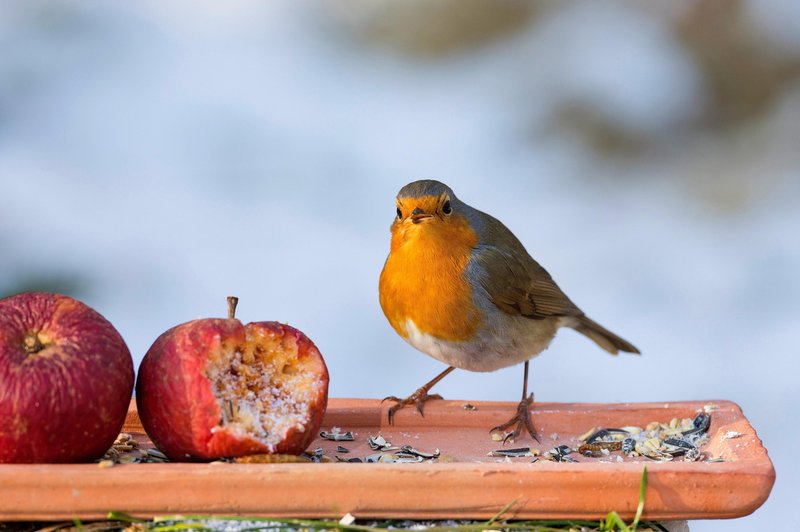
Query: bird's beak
[{"x": 417, "y": 215}]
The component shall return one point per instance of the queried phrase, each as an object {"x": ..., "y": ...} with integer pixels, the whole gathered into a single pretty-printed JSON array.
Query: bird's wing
[{"x": 518, "y": 285}]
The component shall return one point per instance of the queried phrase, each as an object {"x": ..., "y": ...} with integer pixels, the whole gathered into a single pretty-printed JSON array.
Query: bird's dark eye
[
  {"x": 446, "y": 208},
  {"x": 399, "y": 213}
]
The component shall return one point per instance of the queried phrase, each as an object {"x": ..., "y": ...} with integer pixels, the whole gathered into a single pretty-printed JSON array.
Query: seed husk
[
  {"x": 337, "y": 436},
  {"x": 155, "y": 453}
]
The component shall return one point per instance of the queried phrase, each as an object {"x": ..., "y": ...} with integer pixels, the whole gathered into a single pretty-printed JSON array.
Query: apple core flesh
[{"x": 262, "y": 388}]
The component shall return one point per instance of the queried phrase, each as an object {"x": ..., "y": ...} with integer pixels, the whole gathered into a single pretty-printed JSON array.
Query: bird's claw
[
  {"x": 418, "y": 399},
  {"x": 521, "y": 418}
]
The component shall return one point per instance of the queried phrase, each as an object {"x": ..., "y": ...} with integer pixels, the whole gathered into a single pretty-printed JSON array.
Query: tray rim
[{"x": 464, "y": 490}]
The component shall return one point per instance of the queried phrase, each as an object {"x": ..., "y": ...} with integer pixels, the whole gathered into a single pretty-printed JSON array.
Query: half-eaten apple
[{"x": 214, "y": 388}]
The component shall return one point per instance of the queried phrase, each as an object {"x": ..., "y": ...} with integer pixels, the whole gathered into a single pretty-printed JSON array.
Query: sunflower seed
[
  {"x": 155, "y": 453},
  {"x": 407, "y": 449},
  {"x": 352, "y": 460},
  {"x": 514, "y": 453}
]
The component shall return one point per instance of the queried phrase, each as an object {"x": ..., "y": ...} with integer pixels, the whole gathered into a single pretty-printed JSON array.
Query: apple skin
[
  {"x": 64, "y": 398},
  {"x": 176, "y": 401}
]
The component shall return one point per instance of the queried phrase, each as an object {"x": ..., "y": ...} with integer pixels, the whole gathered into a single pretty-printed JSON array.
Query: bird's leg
[
  {"x": 523, "y": 415},
  {"x": 418, "y": 398}
]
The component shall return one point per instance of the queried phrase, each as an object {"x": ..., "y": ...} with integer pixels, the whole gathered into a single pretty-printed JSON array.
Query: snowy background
[{"x": 156, "y": 157}]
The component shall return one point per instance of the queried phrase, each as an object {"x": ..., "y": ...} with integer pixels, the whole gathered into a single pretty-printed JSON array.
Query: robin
[{"x": 460, "y": 287}]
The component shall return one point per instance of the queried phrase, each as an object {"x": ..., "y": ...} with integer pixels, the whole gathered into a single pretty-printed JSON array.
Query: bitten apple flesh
[
  {"x": 214, "y": 388},
  {"x": 66, "y": 378}
]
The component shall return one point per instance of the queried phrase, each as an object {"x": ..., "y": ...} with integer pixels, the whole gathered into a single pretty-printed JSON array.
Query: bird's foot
[
  {"x": 521, "y": 418},
  {"x": 418, "y": 399}
]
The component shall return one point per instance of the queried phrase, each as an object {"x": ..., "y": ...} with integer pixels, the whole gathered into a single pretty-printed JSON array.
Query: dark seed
[{"x": 628, "y": 445}]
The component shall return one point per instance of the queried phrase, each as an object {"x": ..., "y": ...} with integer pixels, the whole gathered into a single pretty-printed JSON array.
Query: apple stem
[
  {"x": 232, "y": 302},
  {"x": 32, "y": 344}
]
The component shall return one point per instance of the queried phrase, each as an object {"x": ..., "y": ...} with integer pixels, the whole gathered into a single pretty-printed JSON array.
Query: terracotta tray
[{"x": 472, "y": 485}]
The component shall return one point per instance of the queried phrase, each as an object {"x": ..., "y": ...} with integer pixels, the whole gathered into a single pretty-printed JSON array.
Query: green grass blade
[
  {"x": 642, "y": 489},
  {"x": 613, "y": 522},
  {"x": 503, "y": 510},
  {"x": 122, "y": 516}
]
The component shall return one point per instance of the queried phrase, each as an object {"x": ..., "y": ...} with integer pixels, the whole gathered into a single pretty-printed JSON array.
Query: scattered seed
[
  {"x": 559, "y": 454},
  {"x": 342, "y": 449},
  {"x": 105, "y": 464},
  {"x": 515, "y": 453},
  {"x": 406, "y": 458},
  {"x": 700, "y": 424},
  {"x": 679, "y": 443},
  {"x": 407, "y": 449},
  {"x": 628, "y": 445},
  {"x": 337, "y": 436},
  {"x": 693, "y": 455},
  {"x": 589, "y": 449},
  {"x": 155, "y": 453},
  {"x": 731, "y": 434},
  {"x": 658, "y": 441},
  {"x": 468, "y": 406},
  {"x": 316, "y": 456},
  {"x": 378, "y": 443}
]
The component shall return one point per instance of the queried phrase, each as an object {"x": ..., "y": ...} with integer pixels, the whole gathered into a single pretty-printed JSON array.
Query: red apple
[
  {"x": 214, "y": 388},
  {"x": 66, "y": 378}
]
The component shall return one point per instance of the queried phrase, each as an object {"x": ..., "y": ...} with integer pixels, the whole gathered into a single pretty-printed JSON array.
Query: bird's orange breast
[{"x": 424, "y": 279}]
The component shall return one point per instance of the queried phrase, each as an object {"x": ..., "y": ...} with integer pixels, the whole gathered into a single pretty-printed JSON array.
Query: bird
[{"x": 460, "y": 287}]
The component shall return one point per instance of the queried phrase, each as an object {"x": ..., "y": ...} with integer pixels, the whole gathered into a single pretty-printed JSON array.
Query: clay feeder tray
[{"x": 463, "y": 482}]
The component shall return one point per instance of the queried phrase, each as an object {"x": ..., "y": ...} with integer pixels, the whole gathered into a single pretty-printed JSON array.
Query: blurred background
[{"x": 156, "y": 157}]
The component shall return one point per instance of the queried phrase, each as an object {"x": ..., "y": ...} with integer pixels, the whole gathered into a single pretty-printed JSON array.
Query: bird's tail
[{"x": 602, "y": 336}]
